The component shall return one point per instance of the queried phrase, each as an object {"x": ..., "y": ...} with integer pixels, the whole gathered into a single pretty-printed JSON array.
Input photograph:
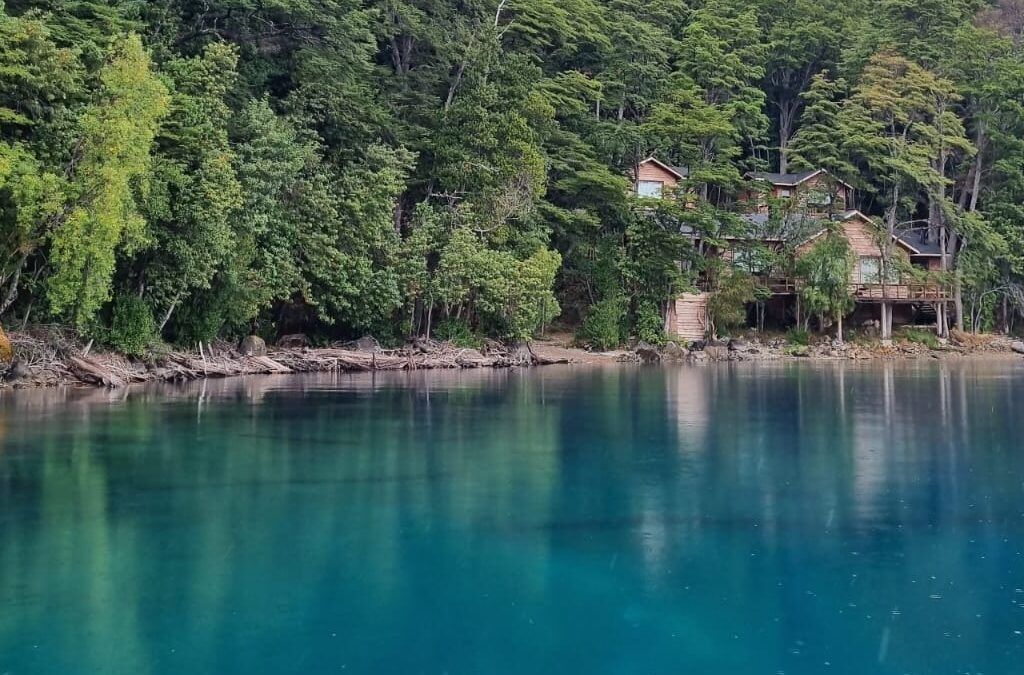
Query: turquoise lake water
[{"x": 753, "y": 519}]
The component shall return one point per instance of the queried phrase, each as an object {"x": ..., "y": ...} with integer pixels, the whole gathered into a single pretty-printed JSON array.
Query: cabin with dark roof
[
  {"x": 905, "y": 297},
  {"x": 815, "y": 191},
  {"x": 789, "y": 212}
]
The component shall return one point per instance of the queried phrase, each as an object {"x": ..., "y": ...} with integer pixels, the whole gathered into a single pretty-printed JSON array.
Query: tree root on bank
[{"x": 55, "y": 359}]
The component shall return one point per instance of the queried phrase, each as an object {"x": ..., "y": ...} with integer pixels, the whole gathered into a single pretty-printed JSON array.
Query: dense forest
[{"x": 180, "y": 170}]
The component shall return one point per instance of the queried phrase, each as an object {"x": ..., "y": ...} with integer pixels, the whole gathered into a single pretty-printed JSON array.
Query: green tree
[
  {"x": 825, "y": 272},
  {"x": 100, "y": 214}
]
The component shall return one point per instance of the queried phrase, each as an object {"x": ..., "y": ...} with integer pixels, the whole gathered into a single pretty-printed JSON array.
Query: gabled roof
[
  {"x": 680, "y": 172},
  {"x": 791, "y": 179},
  {"x": 849, "y": 215},
  {"x": 761, "y": 227}
]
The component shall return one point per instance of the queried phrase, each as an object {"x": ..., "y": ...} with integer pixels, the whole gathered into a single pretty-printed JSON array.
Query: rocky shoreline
[
  {"x": 754, "y": 349},
  {"x": 53, "y": 359},
  {"x": 56, "y": 360}
]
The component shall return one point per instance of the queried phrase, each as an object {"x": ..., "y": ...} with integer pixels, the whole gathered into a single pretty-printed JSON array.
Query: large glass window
[
  {"x": 649, "y": 188},
  {"x": 870, "y": 270}
]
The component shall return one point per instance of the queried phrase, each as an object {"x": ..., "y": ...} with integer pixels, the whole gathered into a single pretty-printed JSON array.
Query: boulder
[
  {"x": 717, "y": 352},
  {"x": 673, "y": 352},
  {"x": 698, "y": 346},
  {"x": 294, "y": 341},
  {"x": 424, "y": 345},
  {"x": 648, "y": 353},
  {"x": 1017, "y": 347},
  {"x": 471, "y": 358},
  {"x": 737, "y": 345},
  {"x": 16, "y": 371},
  {"x": 252, "y": 345}
]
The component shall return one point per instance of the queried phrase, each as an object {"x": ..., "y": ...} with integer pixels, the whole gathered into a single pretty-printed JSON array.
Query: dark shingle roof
[
  {"x": 918, "y": 239},
  {"x": 795, "y": 227},
  {"x": 783, "y": 178}
]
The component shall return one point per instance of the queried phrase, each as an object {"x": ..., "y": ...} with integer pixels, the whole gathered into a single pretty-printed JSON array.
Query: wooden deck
[{"x": 899, "y": 293}]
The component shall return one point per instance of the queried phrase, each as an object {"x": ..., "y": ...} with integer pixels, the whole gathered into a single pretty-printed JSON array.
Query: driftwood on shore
[{"x": 48, "y": 363}]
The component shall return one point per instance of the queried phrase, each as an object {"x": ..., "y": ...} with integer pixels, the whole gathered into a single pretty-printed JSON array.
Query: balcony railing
[
  {"x": 907, "y": 291},
  {"x": 910, "y": 291}
]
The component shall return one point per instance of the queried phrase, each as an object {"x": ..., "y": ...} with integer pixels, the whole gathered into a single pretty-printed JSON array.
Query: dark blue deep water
[{"x": 787, "y": 518}]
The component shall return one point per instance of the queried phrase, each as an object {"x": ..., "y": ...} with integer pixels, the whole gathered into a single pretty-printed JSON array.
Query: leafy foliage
[
  {"x": 727, "y": 306},
  {"x": 602, "y": 327},
  {"x": 132, "y": 327},
  {"x": 340, "y": 166},
  {"x": 825, "y": 271}
]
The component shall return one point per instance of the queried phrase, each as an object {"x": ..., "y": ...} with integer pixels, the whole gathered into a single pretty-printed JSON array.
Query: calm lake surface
[{"x": 777, "y": 518}]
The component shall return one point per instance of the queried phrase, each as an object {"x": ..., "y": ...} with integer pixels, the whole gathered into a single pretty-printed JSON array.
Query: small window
[
  {"x": 785, "y": 193},
  {"x": 649, "y": 188}
]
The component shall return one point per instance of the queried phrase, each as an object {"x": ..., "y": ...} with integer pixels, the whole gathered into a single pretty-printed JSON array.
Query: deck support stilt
[{"x": 886, "y": 323}]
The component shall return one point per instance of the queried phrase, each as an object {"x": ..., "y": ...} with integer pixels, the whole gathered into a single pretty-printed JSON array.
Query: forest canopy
[{"x": 182, "y": 170}]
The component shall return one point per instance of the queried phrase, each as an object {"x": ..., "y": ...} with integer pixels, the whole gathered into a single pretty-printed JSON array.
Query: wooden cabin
[
  {"x": 655, "y": 179},
  {"x": 905, "y": 299},
  {"x": 813, "y": 197},
  {"x": 815, "y": 191},
  {"x": 866, "y": 281}
]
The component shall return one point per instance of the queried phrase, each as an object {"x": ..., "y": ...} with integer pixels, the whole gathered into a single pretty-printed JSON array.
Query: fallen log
[{"x": 87, "y": 370}]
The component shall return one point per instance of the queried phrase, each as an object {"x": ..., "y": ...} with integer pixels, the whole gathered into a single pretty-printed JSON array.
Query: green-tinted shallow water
[{"x": 790, "y": 519}]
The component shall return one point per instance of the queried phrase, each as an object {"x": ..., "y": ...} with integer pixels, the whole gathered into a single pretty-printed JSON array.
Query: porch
[{"x": 908, "y": 292}]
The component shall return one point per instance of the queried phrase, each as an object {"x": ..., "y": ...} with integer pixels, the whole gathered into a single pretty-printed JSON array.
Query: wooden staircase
[{"x": 688, "y": 317}]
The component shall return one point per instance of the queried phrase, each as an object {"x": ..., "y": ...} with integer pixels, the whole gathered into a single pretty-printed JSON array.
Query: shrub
[
  {"x": 727, "y": 306},
  {"x": 132, "y": 327},
  {"x": 921, "y": 337},
  {"x": 798, "y": 336},
  {"x": 458, "y": 333},
  {"x": 650, "y": 327},
  {"x": 602, "y": 328}
]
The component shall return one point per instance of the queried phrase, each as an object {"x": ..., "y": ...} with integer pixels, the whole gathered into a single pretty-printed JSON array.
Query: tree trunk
[
  {"x": 787, "y": 113},
  {"x": 958, "y": 303},
  {"x": 167, "y": 315},
  {"x": 839, "y": 328},
  {"x": 12, "y": 292}
]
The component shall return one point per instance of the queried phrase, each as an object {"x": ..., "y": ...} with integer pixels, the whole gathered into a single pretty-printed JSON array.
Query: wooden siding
[
  {"x": 856, "y": 231},
  {"x": 798, "y": 193},
  {"x": 862, "y": 240},
  {"x": 652, "y": 171},
  {"x": 861, "y": 234},
  {"x": 689, "y": 318}
]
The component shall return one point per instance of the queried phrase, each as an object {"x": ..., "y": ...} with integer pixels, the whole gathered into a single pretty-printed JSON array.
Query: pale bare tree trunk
[{"x": 12, "y": 292}]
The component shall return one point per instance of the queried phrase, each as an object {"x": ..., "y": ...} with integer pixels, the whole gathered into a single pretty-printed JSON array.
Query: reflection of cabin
[{"x": 818, "y": 199}]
